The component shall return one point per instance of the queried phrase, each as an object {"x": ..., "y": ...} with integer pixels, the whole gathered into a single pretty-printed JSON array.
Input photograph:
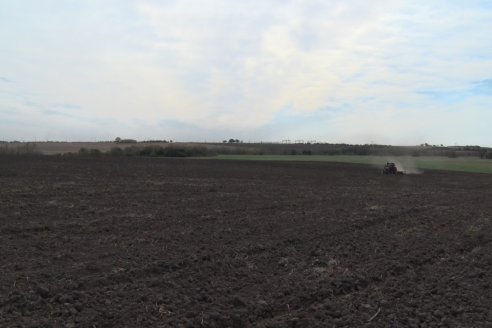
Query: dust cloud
[{"x": 407, "y": 165}]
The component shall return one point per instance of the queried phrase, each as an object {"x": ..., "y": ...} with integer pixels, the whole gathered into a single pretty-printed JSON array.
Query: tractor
[{"x": 390, "y": 168}]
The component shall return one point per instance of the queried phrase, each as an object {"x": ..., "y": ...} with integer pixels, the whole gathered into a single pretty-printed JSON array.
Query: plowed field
[{"x": 141, "y": 242}]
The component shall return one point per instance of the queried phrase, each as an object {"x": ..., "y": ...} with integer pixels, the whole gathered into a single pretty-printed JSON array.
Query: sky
[{"x": 338, "y": 71}]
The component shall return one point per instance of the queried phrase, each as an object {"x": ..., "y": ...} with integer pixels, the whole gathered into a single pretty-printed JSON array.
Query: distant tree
[
  {"x": 95, "y": 152},
  {"x": 118, "y": 139},
  {"x": 116, "y": 151},
  {"x": 451, "y": 154},
  {"x": 128, "y": 141}
]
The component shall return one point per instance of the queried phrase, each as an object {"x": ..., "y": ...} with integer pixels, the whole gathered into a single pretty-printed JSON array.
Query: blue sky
[{"x": 392, "y": 72}]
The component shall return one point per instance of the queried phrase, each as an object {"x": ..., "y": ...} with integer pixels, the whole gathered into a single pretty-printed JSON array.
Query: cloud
[
  {"x": 5, "y": 80},
  {"x": 67, "y": 106},
  {"x": 324, "y": 70},
  {"x": 242, "y": 69},
  {"x": 483, "y": 86}
]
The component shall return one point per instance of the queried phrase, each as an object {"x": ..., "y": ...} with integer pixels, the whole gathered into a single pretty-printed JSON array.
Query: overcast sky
[{"x": 391, "y": 72}]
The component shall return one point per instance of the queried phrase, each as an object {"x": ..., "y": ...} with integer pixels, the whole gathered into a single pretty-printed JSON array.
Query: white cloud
[{"x": 234, "y": 66}]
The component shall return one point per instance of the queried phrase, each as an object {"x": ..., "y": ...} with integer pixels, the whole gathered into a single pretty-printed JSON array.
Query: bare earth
[{"x": 146, "y": 242}]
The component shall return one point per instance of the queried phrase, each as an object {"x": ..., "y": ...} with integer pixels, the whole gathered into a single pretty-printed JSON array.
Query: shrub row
[
  {"x": 19, "y": 149},
  {"x": 151, "y": 151}
]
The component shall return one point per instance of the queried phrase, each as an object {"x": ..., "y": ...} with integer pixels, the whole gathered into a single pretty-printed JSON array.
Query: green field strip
[{"x": 460, "y": 164}]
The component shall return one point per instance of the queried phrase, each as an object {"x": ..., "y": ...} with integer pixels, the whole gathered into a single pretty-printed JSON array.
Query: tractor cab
[{"x": 390, "y": 168}]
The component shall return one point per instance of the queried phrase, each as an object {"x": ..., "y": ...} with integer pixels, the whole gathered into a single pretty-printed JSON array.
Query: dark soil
[{"x": 141, "y": 242}]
